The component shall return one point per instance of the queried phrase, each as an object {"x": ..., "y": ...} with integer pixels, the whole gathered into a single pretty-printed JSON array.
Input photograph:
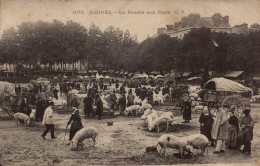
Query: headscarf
[{"x": 74, "y": 110}]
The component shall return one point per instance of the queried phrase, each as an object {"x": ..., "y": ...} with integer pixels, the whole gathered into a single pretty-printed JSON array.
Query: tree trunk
[{"x": 73, "y": 68}]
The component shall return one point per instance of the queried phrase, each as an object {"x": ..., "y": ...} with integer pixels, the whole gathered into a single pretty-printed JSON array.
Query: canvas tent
[
  {"x": 7, "y": 88},
  {"x": 233, "y": 74},
  {"x": 223, "y": 84}
]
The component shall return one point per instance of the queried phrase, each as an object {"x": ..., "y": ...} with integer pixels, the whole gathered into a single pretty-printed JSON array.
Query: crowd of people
[
  {"x": 221, "y": 131},
  {"x": 228, "y": 131}
]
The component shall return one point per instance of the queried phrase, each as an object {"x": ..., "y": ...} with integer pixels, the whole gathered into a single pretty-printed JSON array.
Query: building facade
[{"x": 215, "y": 23}]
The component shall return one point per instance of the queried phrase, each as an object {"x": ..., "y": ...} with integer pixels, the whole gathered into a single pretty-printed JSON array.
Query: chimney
[
  {"x": 177, "y": 25},
  {"x": 226, "y": 21},
  {"x": 169, "y": 27},
  {"x": 160, "y": 30}
]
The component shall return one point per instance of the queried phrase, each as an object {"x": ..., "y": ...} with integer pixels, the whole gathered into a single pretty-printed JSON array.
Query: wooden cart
[{"x": 227, "y": 94}]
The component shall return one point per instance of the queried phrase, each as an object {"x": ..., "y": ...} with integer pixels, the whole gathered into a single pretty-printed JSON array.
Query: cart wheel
[
  {"x": 5, "y": 113},
  {"x": 236, "y": 102}
]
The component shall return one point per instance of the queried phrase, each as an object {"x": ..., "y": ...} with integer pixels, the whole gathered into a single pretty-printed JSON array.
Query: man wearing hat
[
  {"x": 247, "y": 125},
  {"x": 99, "y": 105},
  {"x": 48, "y": 121},
  {"x": 186, "y": 107}
]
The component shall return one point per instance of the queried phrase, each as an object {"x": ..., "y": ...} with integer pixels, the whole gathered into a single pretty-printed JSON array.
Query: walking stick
[{"x": 65, "y": 134}]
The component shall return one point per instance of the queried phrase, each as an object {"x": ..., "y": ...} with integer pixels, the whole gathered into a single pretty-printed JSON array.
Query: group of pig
[
  {"x": 154, "y": 119},
  {"x": 183, "y": 144},
  {"x": 80, "y": 136}
]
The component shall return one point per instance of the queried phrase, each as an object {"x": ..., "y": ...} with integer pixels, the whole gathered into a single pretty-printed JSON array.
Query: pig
[
  {"x": 144, "y": 107},
  {"x": 146, "y": 113},
  {"x": 131, "y": 108},
  {"x": 171, "y": 141},
  {"x": 198, "y": 141},
  {"x": 138, "y": 101},
  {"x": 158, "y": 100},
  {"x": 156, "y": 122},
  {"x": 22, "y": 117},
  {"x": 154, "y": 114},
  {"x": 167, "y": 114},
  {"x": 81, "y": 135}
]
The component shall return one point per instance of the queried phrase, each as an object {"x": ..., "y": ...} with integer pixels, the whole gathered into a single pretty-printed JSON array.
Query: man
[
  {"x": 55, "y": 93},
  {"x": 113, "y": 99},
  {"x": 48, "y": 121},
  {"x": 150, "y": 96},
  {"x": 99, "y": 105},
  {"x": 39, "y": 109},
  {"x": 130, "y": 98},
  {"x": 122, "y": 103},
  {"x": 219, "y": 130},
  {"x": 19, "y": 89},
  {"x": 88, "y": 109},
  {"x": 247, "y": 125},
  {"x": 74, "y": 102},
  {"x": 186, "y": 108}
]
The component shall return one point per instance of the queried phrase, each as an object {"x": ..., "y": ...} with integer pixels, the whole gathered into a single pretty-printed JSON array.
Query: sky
[{"x": 14, "y": 12}]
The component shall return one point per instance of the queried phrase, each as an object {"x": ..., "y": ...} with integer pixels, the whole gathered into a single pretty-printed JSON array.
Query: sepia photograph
[{"x": 129, "y": 82}]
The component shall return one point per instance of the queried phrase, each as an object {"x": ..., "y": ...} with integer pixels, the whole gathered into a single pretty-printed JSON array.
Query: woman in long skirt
[
  {"x": 233, "y": 129},
  {"x": 76, "y": 124}
]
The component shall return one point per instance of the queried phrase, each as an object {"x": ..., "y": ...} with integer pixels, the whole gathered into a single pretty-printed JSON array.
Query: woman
[
  {"x": 186, "y": 108},
  {"x": 76, "y": 124},
  {"x": 233, "y": 129},
  {"x": 219, "y": 130},
  {"x": 206, "y": 120},
  {"x": 247, "y": 125}
]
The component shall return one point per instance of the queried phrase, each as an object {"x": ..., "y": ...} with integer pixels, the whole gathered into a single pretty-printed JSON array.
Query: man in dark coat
[
  {"x": 55, "y": 93},
  {"x": 113, "y": 99},
  {"x": 99, "y": 105},
  {"x": 150, "y": 96},
  {"x": 122, "y": 103},
  {"x": 137, "y": 91},
  {"x": 88, "y": 109},
  {"x": 186, "y": 108},
  {"x": 130, "y": 98},
  {"x": 74, "y": 102},
  {"x": 39, "y": 109}
]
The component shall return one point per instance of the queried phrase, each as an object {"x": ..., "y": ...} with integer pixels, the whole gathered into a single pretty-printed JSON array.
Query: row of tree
[
  {"x": 200, "y": 49},
  {"x": 56, "y": 42}
]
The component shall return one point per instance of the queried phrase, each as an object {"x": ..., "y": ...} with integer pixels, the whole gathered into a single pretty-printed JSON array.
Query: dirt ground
[{"x": 120, "y": 144}]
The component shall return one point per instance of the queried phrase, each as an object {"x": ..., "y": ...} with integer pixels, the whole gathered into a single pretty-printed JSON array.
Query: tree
[{"x": 9, "y": 46}]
